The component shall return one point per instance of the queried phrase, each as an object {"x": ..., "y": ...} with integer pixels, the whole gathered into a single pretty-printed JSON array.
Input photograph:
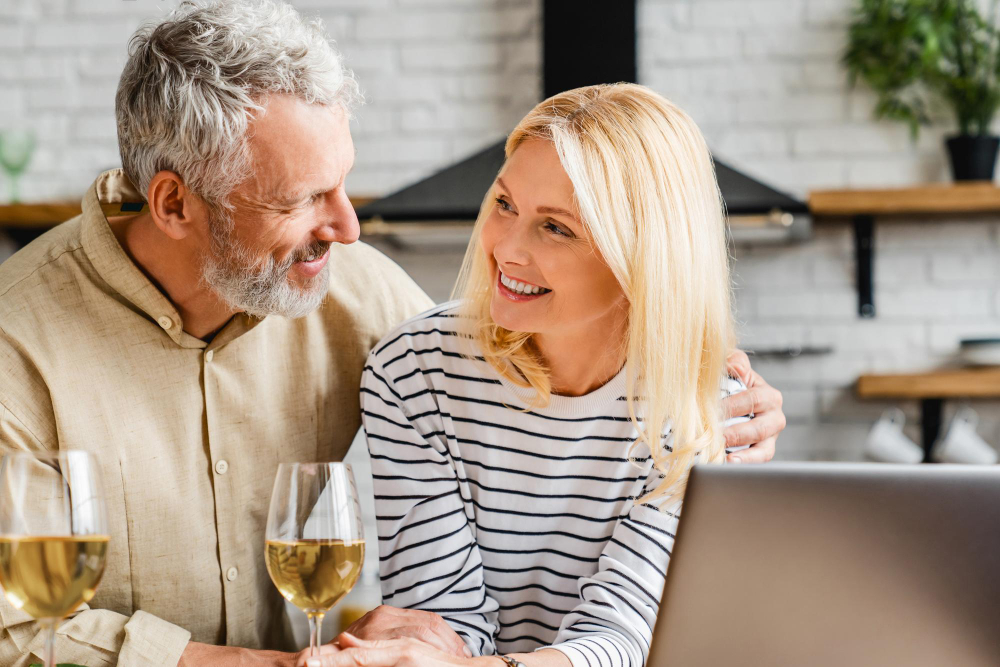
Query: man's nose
[{"x": 338, "y": 220}]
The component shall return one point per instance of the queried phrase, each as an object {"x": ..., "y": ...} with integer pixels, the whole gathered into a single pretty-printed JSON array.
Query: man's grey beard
[{"x": 237, "y": 275}]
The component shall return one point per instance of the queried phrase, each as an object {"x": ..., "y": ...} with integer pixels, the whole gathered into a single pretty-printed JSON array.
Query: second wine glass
[
  {"x": 16, "y": 147},
  {"x": 314, "y": 538},
  {"x": 53, "y": 535}
]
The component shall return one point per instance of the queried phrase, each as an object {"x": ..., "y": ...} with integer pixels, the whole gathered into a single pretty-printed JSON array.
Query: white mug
[
  {"x": 887, "y": 443},
  {"x": 961, "y": 443}
]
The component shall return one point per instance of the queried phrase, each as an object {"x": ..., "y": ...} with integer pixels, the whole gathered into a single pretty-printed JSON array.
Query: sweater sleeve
[
  {"x": 613, "y": 624},
  {"x": 428, "y": 558}
]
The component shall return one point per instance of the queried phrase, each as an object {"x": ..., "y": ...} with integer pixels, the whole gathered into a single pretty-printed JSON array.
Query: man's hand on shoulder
[{"x": 762, "y": 401}]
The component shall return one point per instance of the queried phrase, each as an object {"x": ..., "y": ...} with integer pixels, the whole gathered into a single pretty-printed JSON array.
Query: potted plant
[{"x": 910, "y": 51}]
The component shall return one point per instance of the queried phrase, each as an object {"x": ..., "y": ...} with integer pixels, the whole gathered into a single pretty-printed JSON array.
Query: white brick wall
[
  {"x": 442, "y": 77},
  {"x": 936, "y": 282},
  {"x": 445, "y": 77},
  {"x": 761, "y": 77},
  {"x": 763, "y": 81}
]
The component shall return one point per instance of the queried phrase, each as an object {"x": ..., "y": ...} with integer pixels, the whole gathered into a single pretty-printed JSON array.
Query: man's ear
[{"x": 173, "y": 207}]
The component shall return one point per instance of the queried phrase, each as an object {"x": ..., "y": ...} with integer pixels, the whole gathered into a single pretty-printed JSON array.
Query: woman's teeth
[{"x": 521, "y": 288}]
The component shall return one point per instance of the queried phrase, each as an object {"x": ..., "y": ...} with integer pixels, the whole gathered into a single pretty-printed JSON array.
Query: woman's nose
[{"x": 512, "y": 247}]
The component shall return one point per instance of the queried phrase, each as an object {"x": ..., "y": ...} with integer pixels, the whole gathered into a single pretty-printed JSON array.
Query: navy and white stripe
[{"x": 516, "y": 524}]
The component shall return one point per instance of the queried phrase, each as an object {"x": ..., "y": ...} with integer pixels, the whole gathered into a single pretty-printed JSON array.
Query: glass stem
[
  {"x": 49, "y": 628},
  {"x": 315, "y": 627},
  {"x": 15, "y": 195}
]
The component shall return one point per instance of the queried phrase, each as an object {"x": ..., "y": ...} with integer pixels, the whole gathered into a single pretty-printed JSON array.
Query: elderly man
[{"x": 220, "y": 331}]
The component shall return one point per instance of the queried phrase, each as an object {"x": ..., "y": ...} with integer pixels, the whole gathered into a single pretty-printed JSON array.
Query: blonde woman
[{"x": 530, "y": 443}]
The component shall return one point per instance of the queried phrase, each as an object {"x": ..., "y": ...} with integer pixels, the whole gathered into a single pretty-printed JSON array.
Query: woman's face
[{"x": 547, "y": 276}]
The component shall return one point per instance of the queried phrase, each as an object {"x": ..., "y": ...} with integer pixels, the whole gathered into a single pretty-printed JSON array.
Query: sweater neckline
[{"x": 597, "y": 402}]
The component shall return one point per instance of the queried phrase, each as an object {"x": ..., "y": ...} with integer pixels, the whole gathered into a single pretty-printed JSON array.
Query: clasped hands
[{"x": 391, "y": 637}]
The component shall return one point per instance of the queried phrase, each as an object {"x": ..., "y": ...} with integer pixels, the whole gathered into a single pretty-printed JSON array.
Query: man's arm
[
  {"x": 99, "y": 637},
  {"x": 201, "y": 655},
  {"x": 92, "y": 637}
]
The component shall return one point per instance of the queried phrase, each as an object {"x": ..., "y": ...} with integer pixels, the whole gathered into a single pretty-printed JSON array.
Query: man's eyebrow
[
  {"x": 551, "y": 210},
  {"x": 301, "y": 195},
  {"x": 283, "y": 198}
]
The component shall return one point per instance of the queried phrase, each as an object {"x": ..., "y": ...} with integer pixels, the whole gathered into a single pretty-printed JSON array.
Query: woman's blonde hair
[{"x": 646, "y": 191}]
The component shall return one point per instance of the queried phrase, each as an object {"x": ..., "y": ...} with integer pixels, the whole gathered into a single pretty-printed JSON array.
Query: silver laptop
[{"x": 845, "y": 565}]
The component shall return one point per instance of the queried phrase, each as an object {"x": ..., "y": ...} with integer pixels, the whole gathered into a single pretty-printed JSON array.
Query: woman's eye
[
  {"x": 503, "y": 204},
  {"x": 556, "y": 229}
]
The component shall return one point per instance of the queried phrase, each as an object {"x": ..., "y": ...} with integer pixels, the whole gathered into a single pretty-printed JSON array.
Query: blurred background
[{"x": 830, "y": 286}]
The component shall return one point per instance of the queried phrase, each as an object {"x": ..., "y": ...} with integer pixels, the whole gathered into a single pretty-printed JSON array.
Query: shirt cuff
[
  {"x": 577, "y": 656},
  {"x": 150, "y": 640}
]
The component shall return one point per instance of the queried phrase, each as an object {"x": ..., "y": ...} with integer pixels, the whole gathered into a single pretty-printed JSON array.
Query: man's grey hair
[{"x": 194, "y": 80}]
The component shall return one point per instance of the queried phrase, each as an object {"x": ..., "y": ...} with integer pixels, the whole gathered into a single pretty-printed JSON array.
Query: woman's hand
[
  {"x": 762, "y": 401},
  {"x": 354, "y": 652},
  {"x": 408, "y": 652},
  {"x": 385, "y": 622}
]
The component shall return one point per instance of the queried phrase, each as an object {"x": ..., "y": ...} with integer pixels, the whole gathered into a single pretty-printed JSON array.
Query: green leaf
[
  {"x": 909, "y": 51},
  {"x": 61, "y": 664}
]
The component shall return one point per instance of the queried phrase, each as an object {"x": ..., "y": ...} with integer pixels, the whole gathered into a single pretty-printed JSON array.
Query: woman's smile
[{"x": 519, "y": 290}]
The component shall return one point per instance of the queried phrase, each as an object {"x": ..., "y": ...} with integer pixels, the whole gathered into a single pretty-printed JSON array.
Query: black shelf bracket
[
  {"x": 864, "y": 253},
  {"x": 930, "y": 424}
]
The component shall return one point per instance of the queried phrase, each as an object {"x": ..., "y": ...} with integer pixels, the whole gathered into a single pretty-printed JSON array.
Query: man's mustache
[{"x": 314, "y": 250}]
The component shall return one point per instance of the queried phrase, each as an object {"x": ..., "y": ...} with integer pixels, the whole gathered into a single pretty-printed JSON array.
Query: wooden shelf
[
  {"x": 959, "y": 383},
  {"x": 932, "y": 199},
  {"x": 37, "y": 216},
  {"x": 932, "y": 389},
  {"x": 44, "y": 215},
  {"x": 864, "y": 206}
]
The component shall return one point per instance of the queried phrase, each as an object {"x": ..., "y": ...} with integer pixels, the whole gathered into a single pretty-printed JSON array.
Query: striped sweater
[{"x": 518, "y": 525}]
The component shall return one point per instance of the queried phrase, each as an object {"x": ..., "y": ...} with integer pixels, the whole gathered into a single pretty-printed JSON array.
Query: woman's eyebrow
[
  {"x": 551, "y": 210},
  {"x": 557, "y": 211}
]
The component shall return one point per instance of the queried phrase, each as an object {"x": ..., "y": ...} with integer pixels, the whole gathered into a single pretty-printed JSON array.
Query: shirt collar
[{"x": 122, "y": 275}]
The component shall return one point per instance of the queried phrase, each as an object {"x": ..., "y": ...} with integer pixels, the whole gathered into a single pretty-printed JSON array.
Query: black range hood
[{"x": 572, "y": 57}]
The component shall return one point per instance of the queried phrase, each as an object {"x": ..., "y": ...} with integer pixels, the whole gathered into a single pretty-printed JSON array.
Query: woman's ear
[{"x": 173, "y": 207}]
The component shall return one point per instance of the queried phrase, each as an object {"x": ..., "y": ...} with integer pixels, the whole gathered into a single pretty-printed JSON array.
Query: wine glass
[
  {"x": 53, "y": 535},
  {"x": 16, "y": 147},
  {"x": 314, "y": 538}
]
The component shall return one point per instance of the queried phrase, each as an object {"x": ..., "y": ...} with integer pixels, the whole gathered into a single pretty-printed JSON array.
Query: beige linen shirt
[{"x": 188, "y": 434}]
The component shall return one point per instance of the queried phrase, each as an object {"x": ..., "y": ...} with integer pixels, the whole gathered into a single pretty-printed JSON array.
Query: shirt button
[
  {"x": 209, "y": 355},
  {"x": 232, "y": 573},
  {"x": 221, "y": 466},
  {"x": 165, "y": 322}
]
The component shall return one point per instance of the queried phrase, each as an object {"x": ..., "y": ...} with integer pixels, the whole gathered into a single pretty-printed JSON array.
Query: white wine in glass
[
  {"x": 315, "y": 544},
  {"x": 53, "y": 535}
]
